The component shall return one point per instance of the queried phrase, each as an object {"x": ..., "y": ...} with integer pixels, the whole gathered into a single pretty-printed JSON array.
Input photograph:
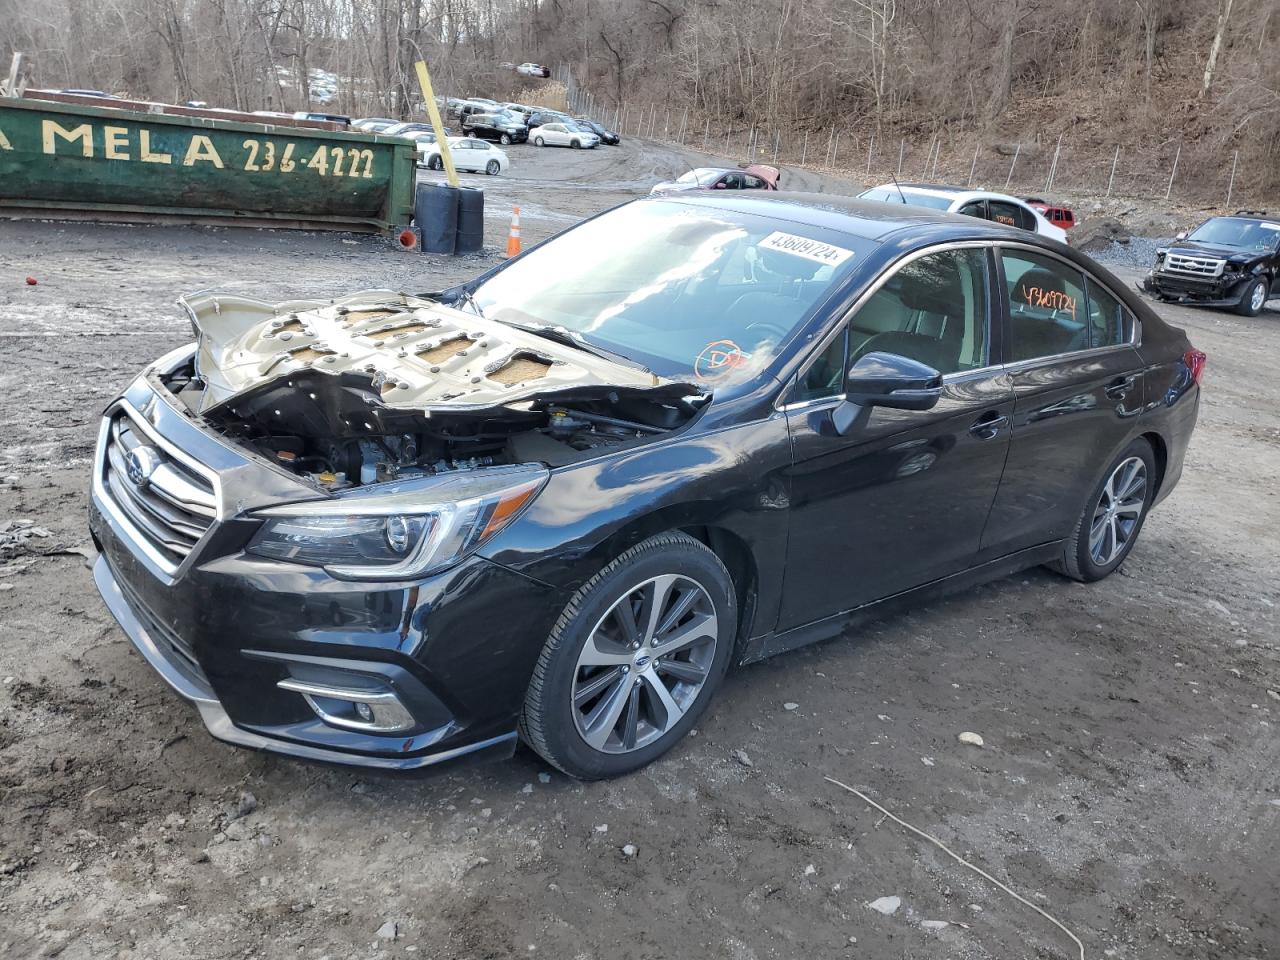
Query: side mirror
[
  {"x": 1182, "y": 235},
  {"x": 886, "y": 380}
]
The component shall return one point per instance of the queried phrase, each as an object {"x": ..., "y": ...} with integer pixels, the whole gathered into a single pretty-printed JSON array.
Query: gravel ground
[{"x": 1129, "y": 782}]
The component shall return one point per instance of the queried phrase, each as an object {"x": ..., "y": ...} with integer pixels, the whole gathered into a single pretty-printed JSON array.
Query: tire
[
  {"x": 576, "y": 144},
  {"x": 436, "y": 163},
  {"x": 539, "y": 142},
  {"x": 561, "y": 709},
  {"x": 505, "y": 140},
  {"x": 492, "y": 168},
  {"x": 1087, "y": 558},
  {"x": 1254, "y": 297}
]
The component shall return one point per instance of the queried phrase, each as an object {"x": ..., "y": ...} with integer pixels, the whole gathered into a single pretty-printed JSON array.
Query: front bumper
[
  {"x": 1224, "y": 291},
  {"x": 197, "y": 690},
  {"x": 225, "y": 628}
]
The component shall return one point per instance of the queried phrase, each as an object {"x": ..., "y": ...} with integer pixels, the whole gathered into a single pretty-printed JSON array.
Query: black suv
[
  {"x": 539, "y": 117},
  {"x": 606, "y": 135},
  {"x": 1225, "y": 262},
  {"x": 502, "y": 127}
]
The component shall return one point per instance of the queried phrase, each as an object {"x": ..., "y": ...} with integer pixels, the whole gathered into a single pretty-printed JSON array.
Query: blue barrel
[
  {"x": 435, "y": 209},
  {"x": 470, "y": 220}
]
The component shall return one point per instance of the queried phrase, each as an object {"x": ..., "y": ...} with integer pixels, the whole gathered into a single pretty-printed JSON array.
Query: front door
[
  {"x": 1077, "y": 380},
  {"x": 903, "y": 497}
]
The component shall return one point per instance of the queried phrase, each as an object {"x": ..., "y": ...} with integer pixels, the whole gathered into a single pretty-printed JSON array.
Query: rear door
[
  {"x": 901, "y": 499},
  {"x": 1077, "y": 383}
]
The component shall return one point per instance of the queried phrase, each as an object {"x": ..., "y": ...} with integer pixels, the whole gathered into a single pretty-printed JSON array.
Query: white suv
[{"x": 563, "y": 135}]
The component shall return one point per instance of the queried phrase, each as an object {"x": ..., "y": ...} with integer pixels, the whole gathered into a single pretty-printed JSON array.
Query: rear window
[{"x": 913, "y": 197}]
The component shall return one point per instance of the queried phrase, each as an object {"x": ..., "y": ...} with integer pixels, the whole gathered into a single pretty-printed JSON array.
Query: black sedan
[{"x": 561, "y": 501}]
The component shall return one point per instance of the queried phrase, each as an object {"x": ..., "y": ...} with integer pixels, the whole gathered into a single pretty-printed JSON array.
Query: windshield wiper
[
  {"x": 565, "y": 336},
  {"x": 468, "y": 297}
]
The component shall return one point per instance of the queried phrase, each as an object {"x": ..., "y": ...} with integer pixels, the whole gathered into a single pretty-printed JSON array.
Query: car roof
[
  {"x": 866, "y": 219},
  {"x": 954, "y": 194}
]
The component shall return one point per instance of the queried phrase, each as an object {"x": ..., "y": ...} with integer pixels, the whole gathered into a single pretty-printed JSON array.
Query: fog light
[{"x": 373, "y": 711}]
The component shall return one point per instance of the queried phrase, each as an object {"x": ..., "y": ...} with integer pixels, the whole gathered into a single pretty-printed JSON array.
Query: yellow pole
[{"x": 424, "y": 79}]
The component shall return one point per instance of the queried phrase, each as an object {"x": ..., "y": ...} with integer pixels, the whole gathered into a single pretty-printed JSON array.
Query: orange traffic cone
[{"x": 513, "y": 238}]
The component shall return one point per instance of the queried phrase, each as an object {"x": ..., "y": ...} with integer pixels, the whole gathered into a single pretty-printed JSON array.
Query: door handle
[
  {"x": 1119, "y": 389},
  {"x": 988, "y": 426}
]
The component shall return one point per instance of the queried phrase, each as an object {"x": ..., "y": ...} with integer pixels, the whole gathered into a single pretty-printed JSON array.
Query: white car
[
  {"x": 469, "y": 153},
  {"x": 563, "y": 135},
  {"x": 997, "y": 207},
  {"x": 533, "y": 70}
]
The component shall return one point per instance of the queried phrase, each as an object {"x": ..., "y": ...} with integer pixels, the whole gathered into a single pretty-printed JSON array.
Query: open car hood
[{"x": 412, "y": 354}]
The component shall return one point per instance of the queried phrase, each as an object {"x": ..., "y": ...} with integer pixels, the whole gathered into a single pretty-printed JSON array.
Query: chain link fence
[{"x": 1189, "y": 174}]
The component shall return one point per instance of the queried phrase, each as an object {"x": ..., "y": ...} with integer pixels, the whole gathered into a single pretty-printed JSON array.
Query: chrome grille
[
  {"x": 1194, "y": 266},
  {"x": 169, "y": 504}
]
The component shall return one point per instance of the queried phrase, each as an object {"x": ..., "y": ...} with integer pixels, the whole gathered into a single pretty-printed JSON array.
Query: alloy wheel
[
  {"x": 1258, "y": 298},
  {"x": 644, "y": 664},
  {"x": 1119, "y": 508}
]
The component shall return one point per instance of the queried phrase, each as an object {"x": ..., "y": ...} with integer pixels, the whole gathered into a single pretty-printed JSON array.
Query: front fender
[{"x": 732, "y": 479}]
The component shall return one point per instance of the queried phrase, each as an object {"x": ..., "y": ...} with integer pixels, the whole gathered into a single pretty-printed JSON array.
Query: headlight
[{"x": 399, "y": 530}]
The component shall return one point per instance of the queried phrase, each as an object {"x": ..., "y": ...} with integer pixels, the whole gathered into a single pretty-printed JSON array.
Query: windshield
[
  {"x": 1238, "y": 232},
  {"x": 703, "y": 175},
  {"x": 690, "y": 292}
]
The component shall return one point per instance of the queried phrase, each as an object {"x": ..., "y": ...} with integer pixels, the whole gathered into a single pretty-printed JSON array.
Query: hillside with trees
[{"x": 1198, "y": 80}]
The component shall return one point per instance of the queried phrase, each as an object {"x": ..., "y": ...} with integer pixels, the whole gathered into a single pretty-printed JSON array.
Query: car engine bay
[{"x": 380, "y": 387}]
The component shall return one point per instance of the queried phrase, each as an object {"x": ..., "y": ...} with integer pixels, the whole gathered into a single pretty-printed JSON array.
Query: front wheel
[
  {"x": 577, "y": 144},
  {"x": 1253, "y": 298},
  {"x": 492, "y": 168},
  {"x": 634, "y": 659},
  {"x": 1113, "y": 516},
  {"x": 505, "y": 139},
  {"x": 435, "y": 163},
  {"x": 539, "y": 142}
]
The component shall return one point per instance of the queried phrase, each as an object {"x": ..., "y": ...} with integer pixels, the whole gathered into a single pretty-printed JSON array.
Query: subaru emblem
[{"x": 140, "y": 464}]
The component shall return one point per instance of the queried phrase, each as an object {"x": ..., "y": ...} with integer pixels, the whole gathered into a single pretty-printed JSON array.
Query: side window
[
  {"x": 825, "y": 376},
  {"x": 1046, "y": 306},
  {"x": 1108, "y": 319},
  {"x": 732, "y": 181},
  {"x": 975, "y": 209},
  {"x": 1006, "y": 213},
  {"x": 751, "y": 183},
  {"x": 933, "y": 310}
]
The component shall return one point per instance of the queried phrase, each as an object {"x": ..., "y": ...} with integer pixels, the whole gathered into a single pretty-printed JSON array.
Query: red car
[
  {"x": 757, "y": 176},
  {"x": 1059, "y": 216}
]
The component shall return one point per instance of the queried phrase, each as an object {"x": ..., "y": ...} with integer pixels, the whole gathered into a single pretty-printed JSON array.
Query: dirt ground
[{"x": 1129, "y": 784}]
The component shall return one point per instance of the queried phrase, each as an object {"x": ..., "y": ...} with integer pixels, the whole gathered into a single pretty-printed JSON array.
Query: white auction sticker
[
  {"x": 814, "y": 250},
  {"x": 1269, "y": 226}
]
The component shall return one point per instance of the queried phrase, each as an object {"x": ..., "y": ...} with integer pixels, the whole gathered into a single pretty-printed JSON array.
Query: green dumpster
[{"x": 70, "y": 160}]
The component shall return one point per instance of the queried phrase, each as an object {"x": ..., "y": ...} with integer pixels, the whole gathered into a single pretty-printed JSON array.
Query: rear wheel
[
  {"x": 492, "y": 168},
  {"x": 1254, "y": 297},
  {"x": 634, "y": 659},
  {"x": 1113, "y": 517}
]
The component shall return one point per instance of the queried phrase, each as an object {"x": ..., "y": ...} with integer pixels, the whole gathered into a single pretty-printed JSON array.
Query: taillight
[{"x": 1195, "y": 361}]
